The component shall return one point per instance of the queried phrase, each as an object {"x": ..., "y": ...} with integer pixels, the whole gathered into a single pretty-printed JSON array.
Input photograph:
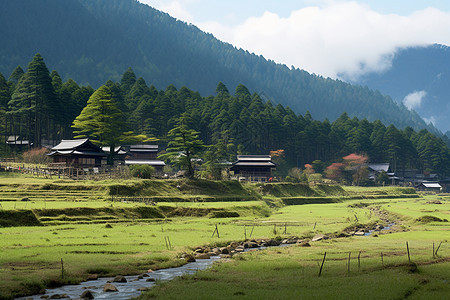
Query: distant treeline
[{"x": 38, "y": 105}]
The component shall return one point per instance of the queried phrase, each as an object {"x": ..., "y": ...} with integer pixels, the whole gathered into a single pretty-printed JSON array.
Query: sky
[{"x": 331, "y": 38}]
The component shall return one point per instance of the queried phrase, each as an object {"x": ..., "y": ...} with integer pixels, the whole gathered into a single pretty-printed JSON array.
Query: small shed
[
  {"x": 429, "y": 186},
  {"x": 253, "y": 167},
  {"x": 78, "y": 153}
]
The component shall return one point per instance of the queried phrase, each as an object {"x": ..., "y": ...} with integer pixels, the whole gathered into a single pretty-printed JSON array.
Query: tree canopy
[{"x": 239, "y": 123}]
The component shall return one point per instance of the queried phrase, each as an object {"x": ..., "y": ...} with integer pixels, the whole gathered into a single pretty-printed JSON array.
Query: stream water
[
  {"x": 127, "y": 289},
  {"x": 384, "y": 228}
]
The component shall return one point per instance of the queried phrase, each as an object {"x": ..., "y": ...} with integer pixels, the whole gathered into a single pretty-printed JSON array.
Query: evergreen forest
[
  {"x": 92, "y": 41},
  {"x": 39, "y": 106}
]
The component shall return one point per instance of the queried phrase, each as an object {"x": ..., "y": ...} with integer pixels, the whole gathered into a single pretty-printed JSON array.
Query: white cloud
[
  {"x": 329, "y": 38},
  {"x": 343, "y": 37},
  {"x": 176, "y": 9},
  {"x": 414, "y": 100}
]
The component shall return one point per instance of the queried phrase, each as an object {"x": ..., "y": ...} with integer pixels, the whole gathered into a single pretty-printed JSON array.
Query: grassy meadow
[{"x": 77, "y": 222}]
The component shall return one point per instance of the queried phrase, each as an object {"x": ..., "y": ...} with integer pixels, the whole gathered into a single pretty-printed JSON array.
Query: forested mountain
[
  {"x": 38, "y": 105},
  {"x": 418, "y": 69},
  {"x": 93, "y": 41}
]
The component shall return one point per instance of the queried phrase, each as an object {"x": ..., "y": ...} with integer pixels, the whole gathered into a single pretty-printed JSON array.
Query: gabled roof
[
  {"x": 72, "y": 144},
  {"x": 150, "y": 162},
  {"x": 77, "y": 147},
  {"x": 143, "y": 148},
  {"x": 254, "y": 158},
  {"x": 431, "y": 185}
]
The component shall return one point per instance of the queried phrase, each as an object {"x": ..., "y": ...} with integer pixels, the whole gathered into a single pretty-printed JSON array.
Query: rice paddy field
[{"x": 93, "y": 228}]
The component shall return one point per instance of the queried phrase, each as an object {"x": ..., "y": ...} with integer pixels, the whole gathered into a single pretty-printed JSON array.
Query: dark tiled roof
[{"x": 70, "y": 144}]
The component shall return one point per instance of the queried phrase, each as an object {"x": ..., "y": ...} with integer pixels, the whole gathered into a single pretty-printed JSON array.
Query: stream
[{"x": 127, "y": 289}]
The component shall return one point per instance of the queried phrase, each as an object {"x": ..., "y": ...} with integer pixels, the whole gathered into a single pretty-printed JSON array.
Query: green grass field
[{"x": 92, "y": 234}]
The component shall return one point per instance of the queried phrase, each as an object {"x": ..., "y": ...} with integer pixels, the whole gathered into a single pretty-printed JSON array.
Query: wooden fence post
[
  {"x": 436, "y": 253},
  {"x": 407, "y": 249},
  {"x": 323, "y": 261}
]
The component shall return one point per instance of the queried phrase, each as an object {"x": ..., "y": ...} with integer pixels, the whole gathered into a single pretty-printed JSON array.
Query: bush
[
  {"x": 142, "y": 171},
  {"x": 36, "y": 156}
]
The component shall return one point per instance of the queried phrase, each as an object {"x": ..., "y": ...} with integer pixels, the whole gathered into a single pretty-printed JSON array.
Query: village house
[
  {"x": 78, "y": 153},
  {"x": 253, "y": 167},
  {"x": 144, "y": 155},
  {"x": 15, "y": 143},
  {"x": 377, "y": 168}
]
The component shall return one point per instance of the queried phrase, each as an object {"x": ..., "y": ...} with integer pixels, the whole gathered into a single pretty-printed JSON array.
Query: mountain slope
[
  {"x": 92, "y": 41},
  {"x": 419, "y": 69}
]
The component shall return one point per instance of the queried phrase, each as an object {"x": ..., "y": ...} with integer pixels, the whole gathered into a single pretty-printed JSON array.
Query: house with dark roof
[
  {"x": 253, "y": 167},
  {"x": 377, "y": 168},
  {"x": 144, "y": 155},
  {"x": 78, "y": 153},
  {"x": 16, "y": 143}
]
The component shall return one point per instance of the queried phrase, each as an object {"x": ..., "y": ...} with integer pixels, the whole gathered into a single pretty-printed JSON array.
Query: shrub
[
  {"x": 142, "y": 171},
  {"x": 36, "y": 156}
]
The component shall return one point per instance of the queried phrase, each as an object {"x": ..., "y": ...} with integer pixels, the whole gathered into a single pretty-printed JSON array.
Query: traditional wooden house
[
  {"x": 144, "y": 155},
  {"x": 377, "y": 168},
  {"x": 79, "y": 153},
  {"x": 16, "y": 143},
  {"x": 140, "y": 152},
  {"x": 253, "y": 167}
]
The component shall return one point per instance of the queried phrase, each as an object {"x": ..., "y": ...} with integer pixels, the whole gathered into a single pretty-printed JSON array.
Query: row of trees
[{"x": 37, "y": 105}]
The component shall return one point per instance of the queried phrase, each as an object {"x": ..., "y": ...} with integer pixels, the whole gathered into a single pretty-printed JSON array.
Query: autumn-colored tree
[
  {"x": 356, "y": 167},
  {"x": 308, "y": 169},
  {"x": 334, "y": 171},
  {"x": 36, "y": 156}
]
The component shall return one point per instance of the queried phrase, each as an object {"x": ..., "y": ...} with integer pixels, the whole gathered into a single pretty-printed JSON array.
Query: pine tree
[
  {"x": 14, "y": 78},
  {"x": 127, "y": 81},
  {"x": 34, "y": 102},
  {"x": 101, "y": 119},
  {"x": 184, "y": 145}
]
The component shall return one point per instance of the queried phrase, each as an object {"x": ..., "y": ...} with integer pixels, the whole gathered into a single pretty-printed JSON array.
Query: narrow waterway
[{"x": 127, "y": 289}]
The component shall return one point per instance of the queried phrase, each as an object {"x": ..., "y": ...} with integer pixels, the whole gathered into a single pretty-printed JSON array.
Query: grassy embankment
[{"x": 78, "y": 216}]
